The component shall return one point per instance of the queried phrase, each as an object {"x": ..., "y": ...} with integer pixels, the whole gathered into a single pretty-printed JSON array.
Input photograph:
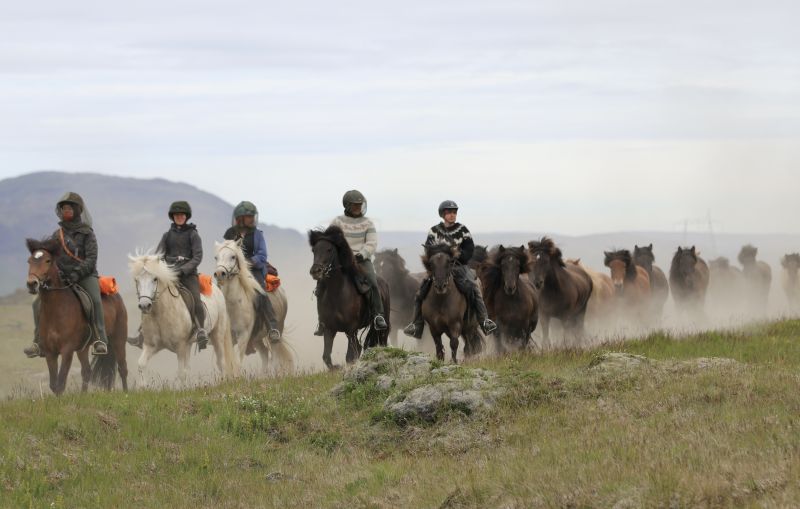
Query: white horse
[
  {"x": 241, "y": 291},
  {"x": 166, "y": 322}
]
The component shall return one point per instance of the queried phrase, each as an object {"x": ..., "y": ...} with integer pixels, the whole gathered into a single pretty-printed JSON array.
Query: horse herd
[{"x": 525, "y": 288}]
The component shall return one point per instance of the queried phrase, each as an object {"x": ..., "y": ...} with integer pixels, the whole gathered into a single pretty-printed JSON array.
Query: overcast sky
[{"x": 571, "y": 116}]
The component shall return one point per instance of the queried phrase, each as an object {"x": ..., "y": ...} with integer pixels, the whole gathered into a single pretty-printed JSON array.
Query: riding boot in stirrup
[
  {"x": 202, "y": 338},
  {"x": 99, "y": 348},
  {"x": 138, "y": 340},
  {"x": 380, "y": 323},
  {"x": 320, "y": 330},
  {"x": 33, "y": 350},
  {"x": 274, "y": 335}
]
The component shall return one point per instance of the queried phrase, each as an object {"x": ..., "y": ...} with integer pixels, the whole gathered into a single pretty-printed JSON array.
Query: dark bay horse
[
  {"x": 757, "y": 278},
  {"x": 479, "y": 255},
  {"x": 402, "y": 285},
  {"x": 63, "y": 328},
  {"x": 340, "y": 306},
  {"x": 689, "y": 278},
  {"x": 562, "y": 290},
  {"x": 659, "y": 286},
  {"x": 631, "y": 283},
  {"x": 445, "y": 308},
  {"x": 510, "y": 297}
]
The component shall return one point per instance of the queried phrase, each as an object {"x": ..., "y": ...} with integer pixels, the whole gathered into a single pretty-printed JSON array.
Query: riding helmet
[
  {"x": 447, "y": 205},
  {"x": 180, "y": 207}
]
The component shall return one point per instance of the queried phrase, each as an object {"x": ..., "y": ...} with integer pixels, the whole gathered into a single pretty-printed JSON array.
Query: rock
[{"x": 618, "y": 361}]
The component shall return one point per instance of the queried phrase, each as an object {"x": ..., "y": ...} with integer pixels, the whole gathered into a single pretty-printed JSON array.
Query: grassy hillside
[{"x": 564, "y": 435}]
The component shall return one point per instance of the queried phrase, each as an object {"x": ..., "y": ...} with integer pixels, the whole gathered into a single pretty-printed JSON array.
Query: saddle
[
  {"x": 88, "y": 311},
  {"x": 188, "y": 299}
]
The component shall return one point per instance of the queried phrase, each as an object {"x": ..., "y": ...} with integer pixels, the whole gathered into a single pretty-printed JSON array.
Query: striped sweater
[
  {"x": 457, "y": 235},
  {"x": 360, "y": 234}
]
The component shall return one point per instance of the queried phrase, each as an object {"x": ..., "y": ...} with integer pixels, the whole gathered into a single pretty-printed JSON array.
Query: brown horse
[
  {"x": 659, "y": 286},
  {"x": 479, "y": 255},
  {"x": 600, "y": 309},
  {"x": 445, "y": 308},
  {"x": 757, "y": 278},
  {"x": 402, "y": 285},
  {"x": 562, "y": 290},
  {"x": 631, "y": 283},
  {"x": 510, "y": 298},
  {"x": 688, "y": 278},
  {"x": 726, "y": 286},
  {"x": 63, "y": 328},
  {"x": 791, "y": 282},
  {"x": 340, "y": 306}
]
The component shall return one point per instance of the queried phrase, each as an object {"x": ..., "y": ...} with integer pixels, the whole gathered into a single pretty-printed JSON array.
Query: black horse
[
  {"x": 341, "y": 307},
  {"x": 402, "y": 285}
]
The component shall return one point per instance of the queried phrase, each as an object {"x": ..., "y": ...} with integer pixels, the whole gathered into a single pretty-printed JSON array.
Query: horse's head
[
  {"x": 644, "y": 257},
  {"x": 684, "y": 264},
  {"x": 620, "y": 262},
  {"x": 720, "y": 263},
  {"x": 747, "y": 256},
  {"x": 388, "y": 262},
  {"x": 791, "y": 262},
  {"x": 42, "y": 269},
  {"x": 479, "y": 255},
  {"x": 438, "y": 261},
  {"x": 150, "y": 276},
  {"x": 513, "y": 262},
  {"x": 331, "y": 252},
  {"x": 544, "y": 257},
  {"x": 226, "y": 256}
]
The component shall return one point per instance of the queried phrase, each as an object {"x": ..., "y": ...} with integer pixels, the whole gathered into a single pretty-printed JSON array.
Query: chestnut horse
[
  {"x": 63, "y": 328},
  {"x": 510, "y": 298},
  {"x": 631, "y": 284},
  {"x": 562, "y": 290}
]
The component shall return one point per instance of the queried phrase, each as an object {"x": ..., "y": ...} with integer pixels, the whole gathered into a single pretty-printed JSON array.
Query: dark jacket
[
  {"x": 254, "y": 247},
  {"x": 181, "y": 247},
  {"x": 81, "y": 242},
  {"x": 457, "y": 235}
]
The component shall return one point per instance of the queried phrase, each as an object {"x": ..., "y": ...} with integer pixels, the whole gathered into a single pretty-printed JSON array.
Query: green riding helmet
[
  {"x": 180, "y": 207},
  {"x": 354, "y": 196},
  {"x": 74, "y": 199},
  {"x": 244, "y": 208}
]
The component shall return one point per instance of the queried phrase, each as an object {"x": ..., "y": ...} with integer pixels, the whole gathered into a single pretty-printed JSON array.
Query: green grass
[{"x": 562, "y": 436}]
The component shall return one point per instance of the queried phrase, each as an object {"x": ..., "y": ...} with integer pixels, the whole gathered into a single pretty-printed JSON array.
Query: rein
[
  {"x": 235, "y": 271},
  {"x": 155, "y": 293}
]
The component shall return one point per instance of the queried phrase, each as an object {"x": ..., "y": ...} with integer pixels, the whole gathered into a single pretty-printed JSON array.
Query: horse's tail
[
  {"x": 104, "y": 368},
  {"x": 282, "y": 355}
]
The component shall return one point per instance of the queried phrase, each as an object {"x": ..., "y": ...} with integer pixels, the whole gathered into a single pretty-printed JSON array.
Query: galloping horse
[
  {"x": 600, "y": 309},
  {"x": 631, "y": 283},
  {"x": 340, "y": 306},
  {"x": 688, "y": 278},
  {"x": 758, "y": 278},
  {"x": 510, "y": 297},
  {"x": 242, "y": 295},
  {"x": 445, "y": 308},
  {"x": 659, "y": 286},
  {"x": 402, "y": 286},
  {"x": 563, "y": 291},
  {"x": 166, "y": 323},
  {"x": 726, "y": 286},
  {"x": 791, "y": 282},
  {"x": 63, "y": 328}
]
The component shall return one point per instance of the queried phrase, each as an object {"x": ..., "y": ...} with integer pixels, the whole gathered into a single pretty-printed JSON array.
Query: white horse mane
[
  {"x": 246, "y": 280},
  {"x": 153, "y": 264}
]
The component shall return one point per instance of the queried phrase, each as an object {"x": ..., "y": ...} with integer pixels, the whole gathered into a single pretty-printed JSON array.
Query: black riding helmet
[
  {"x": 354, "y": 196},
  {"x": 81, "y": 213},
  {"x": 180, "y": 207},
  {"x": 447, "y": 205}
]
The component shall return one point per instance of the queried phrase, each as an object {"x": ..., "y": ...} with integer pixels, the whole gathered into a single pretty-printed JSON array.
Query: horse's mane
[
  {"x": 492, "y": 273},
  {"x": 625, "y": 257},
  {"x": 49, "y": 244},
  {"x": 791, "y": 257},
  {"x": 392, "y": 254},
  {"x": 546, "y": 246},
  {"x": 435, "y": 249},
  {"x": 747, "y": 254},
  {"x": 246, "y": 279},
  {"x": 479, "y": 255},
  {"x": 335, "y": 236},
  {"x": 721, "y": 263},
  {"x": 153, "y": 264}
]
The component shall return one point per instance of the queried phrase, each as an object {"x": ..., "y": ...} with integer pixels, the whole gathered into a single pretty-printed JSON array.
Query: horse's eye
[{"x": 216, "y": 257}]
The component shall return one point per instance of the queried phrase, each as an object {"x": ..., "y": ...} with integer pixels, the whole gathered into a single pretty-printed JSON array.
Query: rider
[
  {"x": 182, "y": 248},
  {"x": 363, "y": 240},
  {"x": 454, "y": 234},
  {"x": 77, "y": 263},
  {"x": 245, "y": 219}
]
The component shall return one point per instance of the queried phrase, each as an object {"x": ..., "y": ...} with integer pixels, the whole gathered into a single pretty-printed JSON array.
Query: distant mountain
[{"x": 128, "y": 214}]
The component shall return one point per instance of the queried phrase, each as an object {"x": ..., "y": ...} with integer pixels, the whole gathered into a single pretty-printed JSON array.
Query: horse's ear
[
  {"x": 650, "y": 247},
  {"x": 694, "y": 251},
  {"x": 522, "y": 248},
  {"x": 607, "y": 258},
  {"x": 240, "y": 242},
  {"x": 635, "y": 249},
  {"x": 785, "y": 261},
  {"x": 31, "y": 244},
  {"x": 501, "y": 249},
  {"x": 395, "y": 251}
]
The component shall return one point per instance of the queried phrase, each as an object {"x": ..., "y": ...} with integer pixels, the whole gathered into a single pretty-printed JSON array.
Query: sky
[{"x": 573, "y": 117}]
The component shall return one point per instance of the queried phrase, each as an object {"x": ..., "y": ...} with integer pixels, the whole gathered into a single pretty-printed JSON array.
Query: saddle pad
[
  {"x": 108, "y": 285},
  {"x": 272, "y": 282},
  {"x": 205, "y": 284},
  {"x": 85, "y": 300}
]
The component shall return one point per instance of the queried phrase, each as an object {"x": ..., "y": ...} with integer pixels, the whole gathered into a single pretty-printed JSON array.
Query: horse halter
[
  {"x": 235, "y": 270},
  {"x": 155, "y": 292}
]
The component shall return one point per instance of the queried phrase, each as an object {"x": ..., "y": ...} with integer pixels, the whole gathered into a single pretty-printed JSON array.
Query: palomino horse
[
  {"x": 791, "y": 282},
  {"x": 631, "y": 284},
  {"x": 563, "y": 291},
  {"x": 445, "y": 308},
  {"x": 63, "y": 328},
  {"x": 659, "y": 286},
  {"x": 600, "y": 309},
  {"x": 166, "y": 323},
  {"x": 757, "y": 277},
  {"x": 249, "y": 326},
  {"x": 688, "y": 278},
  {"x": 402, "y": 286},
  {"x": 510, "y": 297},
  {"x": 340, "y": 306}
]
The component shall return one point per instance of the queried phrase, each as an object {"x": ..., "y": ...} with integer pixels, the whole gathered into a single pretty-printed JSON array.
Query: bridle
[
  {"x": 329, "y": 268},
  {"x": 235, "y": 270},
  {"x": 152, "y": 299}
]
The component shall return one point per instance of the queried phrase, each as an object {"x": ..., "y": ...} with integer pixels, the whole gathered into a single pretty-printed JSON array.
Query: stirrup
[
  {"x": 413, "y": 331},
  {"x": 137, "y": 341},
  {"x": 33, "y": 351},
  {"x": 488, "y": 326},
  {"x": 202, "y": 338},
  {"x": 99, "y": 348},
  {"x": 274, "y": 335},
  {"x": 380, "y": 323},
  {"x": 320, "y": 330}
]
